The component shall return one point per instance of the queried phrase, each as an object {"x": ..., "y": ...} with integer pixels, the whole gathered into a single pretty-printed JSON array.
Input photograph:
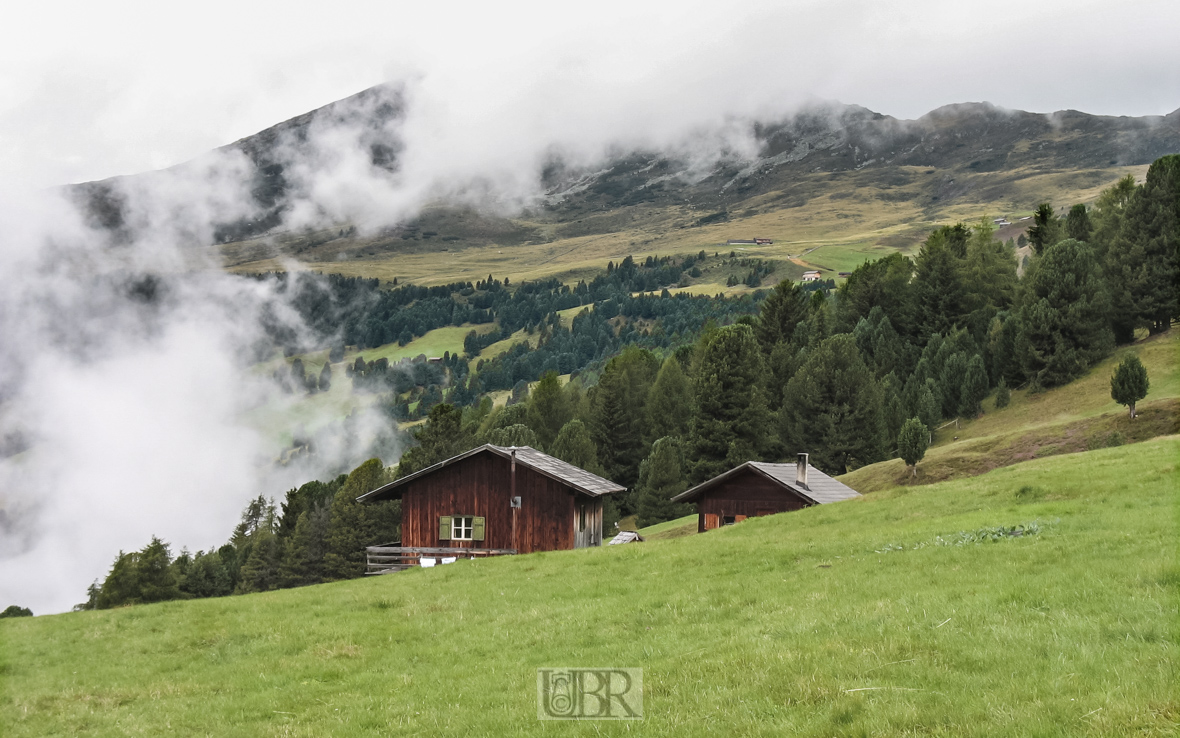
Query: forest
[{"x": 668, "y": 391}]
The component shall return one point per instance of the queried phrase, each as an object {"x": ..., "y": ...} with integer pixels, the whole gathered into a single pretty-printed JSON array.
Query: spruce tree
[
  {"x": 661, "y": 477},
  {"x": 669, "y": 403},
  {"x": 1077, "y": 223},
  {"x": 513, "y": 435},
  {"x": 1045, "y": 230},
  {"x": 303, "y": 552},
  {"x": 912, "y": 442},
  {"x": 974, "y": 388},
  {"x": 729, "y": 426},
  {"x": 1146, "y": 251},
  {"x": 781, "y": 311},
  {"x": 157, "y": 581},
  {"x": 260, "y": 573},
  {"x": 575, "y": 446},
  {"x": 548, "y": 409},
  {"x": 1129, "y": 383},
  {"x": 442, "y": 436},
  {"x": 938, "y": 291},
  {"x": 1064, "y": 316},
  {"x": 351, "y": 526},
  {"x": 832, "y": 408}
]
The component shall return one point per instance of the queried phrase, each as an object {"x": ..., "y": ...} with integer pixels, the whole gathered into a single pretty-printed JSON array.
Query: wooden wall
[
  {"x": 480, "y": 485},
  {"x": 744, "y": 495}
]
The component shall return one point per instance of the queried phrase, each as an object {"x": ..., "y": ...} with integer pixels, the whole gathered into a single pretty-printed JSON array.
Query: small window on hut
[
  {"x": 461, "y": 528},
  {"x": 728, "y": 520}
]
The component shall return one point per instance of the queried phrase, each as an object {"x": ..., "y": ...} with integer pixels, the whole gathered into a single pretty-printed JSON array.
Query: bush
[{"x": 16, "y": 611}]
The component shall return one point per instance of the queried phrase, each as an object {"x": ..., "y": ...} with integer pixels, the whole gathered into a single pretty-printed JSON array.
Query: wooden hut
[
  {"x": 756, "y": 488},
  {"x": 493, "y": 500}
]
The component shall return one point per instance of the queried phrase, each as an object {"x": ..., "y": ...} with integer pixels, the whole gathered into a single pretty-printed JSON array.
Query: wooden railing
[{"x": 384, "y": 559}]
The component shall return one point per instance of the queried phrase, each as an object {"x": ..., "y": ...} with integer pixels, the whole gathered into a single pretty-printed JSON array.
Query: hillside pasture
[{"x": 911, "y": 611}]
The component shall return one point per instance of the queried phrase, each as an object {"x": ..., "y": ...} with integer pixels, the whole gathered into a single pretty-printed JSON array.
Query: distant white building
[{"x": 811, "y": 276}]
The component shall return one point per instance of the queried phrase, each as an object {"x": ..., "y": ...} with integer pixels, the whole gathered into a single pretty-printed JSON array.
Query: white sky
[{"x": 89, "y": 90}]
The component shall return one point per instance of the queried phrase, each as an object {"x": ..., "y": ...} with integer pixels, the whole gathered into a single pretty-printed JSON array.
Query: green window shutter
[
  {"x": 444, "y": 528},
  {"x": 477, "y": 529}
]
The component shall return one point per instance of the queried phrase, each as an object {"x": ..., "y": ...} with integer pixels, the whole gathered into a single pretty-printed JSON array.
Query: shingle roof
[
  {"x": 820, "y": 488},
  {"x": 530, "y": 458}
]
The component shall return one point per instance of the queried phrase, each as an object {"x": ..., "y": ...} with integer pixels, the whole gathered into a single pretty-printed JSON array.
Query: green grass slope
[
  {"x": 1076, "y": 417},
  {"x": 845, "y": 619}
]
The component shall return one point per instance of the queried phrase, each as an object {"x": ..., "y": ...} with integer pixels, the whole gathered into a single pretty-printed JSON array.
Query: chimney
[{"x": 801, "y": 471}]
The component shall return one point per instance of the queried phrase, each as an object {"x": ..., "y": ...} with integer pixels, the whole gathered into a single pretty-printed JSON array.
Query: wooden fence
[{"x": 392, "y": 557}]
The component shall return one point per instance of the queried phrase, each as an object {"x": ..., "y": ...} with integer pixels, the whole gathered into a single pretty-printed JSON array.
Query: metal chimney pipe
[{"x": 801, "y": 471}]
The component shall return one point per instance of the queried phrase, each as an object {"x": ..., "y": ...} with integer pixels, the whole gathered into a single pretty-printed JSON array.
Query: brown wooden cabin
[
  {"x": 756, "y": 488},
  {"x": 467, "y": 502}
]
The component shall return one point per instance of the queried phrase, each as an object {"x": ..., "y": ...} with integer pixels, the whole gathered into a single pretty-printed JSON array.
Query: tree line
[{"x": 852, "y": 377}]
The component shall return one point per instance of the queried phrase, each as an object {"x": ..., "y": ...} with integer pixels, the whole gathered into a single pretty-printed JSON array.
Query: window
[
  {"x": 728, "y": 520},
  {"x": 461, "y": 526}
]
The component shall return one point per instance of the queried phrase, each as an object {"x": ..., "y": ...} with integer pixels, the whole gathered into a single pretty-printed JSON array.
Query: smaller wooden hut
[{"x": 756, "y": 488}]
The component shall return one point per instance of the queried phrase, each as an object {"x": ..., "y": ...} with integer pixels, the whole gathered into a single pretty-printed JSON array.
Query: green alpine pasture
[{"x": 909, "y": 611}]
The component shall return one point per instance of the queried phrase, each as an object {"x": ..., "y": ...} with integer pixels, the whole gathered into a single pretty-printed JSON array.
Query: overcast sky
[{"x": 89, "y": 90}]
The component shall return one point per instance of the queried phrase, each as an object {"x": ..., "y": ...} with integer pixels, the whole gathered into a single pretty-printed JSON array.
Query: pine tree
[
  {"x": 1146, "y": 251},
  {"x": 1063, "y": 316},
  {"x": 938, "y": 291},
  {"x": 1077, "y": 223},
  {"x": 730, "y": 423},
  {"x": 974, "y": 388},
  {"x": 832, "y": 408},
  {"x": 912, "y": 442},
  {"x": 121, "y": 586},
  {"x": 1129, "y": 383},
  {"x": 351, "y": 526},
  {"x": 661, "y": 477},
  {"x": 303, "y": 552},
  {"x": 548, "y": 409},
  {"x": 618, "y": 408},
  {"x": 157, "y": 581},
  {"x": 260, "y": 573},
  {"x": 575, "y": 446},
  {"x": 781, "y": 311},
  {"x": 669, "y": 403},
  {"x": 1045, "y": 230},
  {"x": 442, "y": 436},
  {"x": 513, "y": 435}
]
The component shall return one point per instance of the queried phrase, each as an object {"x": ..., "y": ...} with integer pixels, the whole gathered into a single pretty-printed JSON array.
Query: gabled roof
[
  {"x": 626, "y": 536},
  {"x": 820, "y": 488},
  {"x": 528, "y": 457}
]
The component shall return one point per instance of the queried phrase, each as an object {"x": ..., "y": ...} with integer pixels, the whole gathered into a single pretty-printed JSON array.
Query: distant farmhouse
[
  {"x": 811, "y": 276},
  {"x": 490, "y": 501},
  {"x": 749, "y": 242},
  {"x": 756, "y": 488}
]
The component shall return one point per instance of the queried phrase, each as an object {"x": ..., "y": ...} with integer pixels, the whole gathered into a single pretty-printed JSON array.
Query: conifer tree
[
  {"x": 1064, "y": 315},
  {"x": 661, "y": 477},
  {"x": 938, "y": 291},
  {"x": 352, "y": 525},
  {"x": 781, "y": 311},
  {"x": 575, "y": 446},
  {"x": 912, "y": 442},
  {"x": 548, "y": 409},
  {"x": 1129, "y": 383},
  {"x": 260, "y": 573},
  {"x": 1077, "y": 223},
  {"x": 832, "y": 408},
  {"x": 1146, "y": 251},
  {"x": 157, "y": 581},
  {"x": 730, "y": 423},
  {"x": 974, "y": 388},
  {"x": 1045, "y": 230},
  {"x": 303, "y": 551},
  {"x": 669, "y": 403},
  {"x": 513, "y": 435},
  {"x": 442, "y": 436}
]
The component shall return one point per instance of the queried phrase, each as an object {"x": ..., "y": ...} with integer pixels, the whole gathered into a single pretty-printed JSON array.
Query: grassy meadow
[
  {"x": 1076, "y": 417},
  {"x": 868, "y": 617}
]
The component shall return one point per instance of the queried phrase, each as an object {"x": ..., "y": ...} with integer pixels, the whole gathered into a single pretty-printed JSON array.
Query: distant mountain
[{"x": 957, "y": 153}]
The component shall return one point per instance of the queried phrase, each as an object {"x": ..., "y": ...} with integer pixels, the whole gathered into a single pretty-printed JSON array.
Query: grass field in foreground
[{"x": 844, "y": 619}]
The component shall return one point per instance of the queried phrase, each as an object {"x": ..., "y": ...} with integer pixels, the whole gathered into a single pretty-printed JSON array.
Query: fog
[{"x": 126, "y": 359}]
